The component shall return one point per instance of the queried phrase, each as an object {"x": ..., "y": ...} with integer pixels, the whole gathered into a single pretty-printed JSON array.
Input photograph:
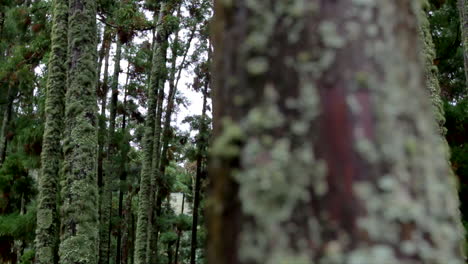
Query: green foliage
[
  {"x": 17, "y": 188},
  {"x": 445, "y": 28},
  {"x": 168, "y": 237},
  {"x": 19, "y": 226},
  {"x": 183, "y": 222},
  {"x": 28, "y": 257}
]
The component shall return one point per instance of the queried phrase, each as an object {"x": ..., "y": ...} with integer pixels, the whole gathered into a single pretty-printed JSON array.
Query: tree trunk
[
  {"x": 127, "y": 229},
  {"x": 110, "y": 169},
  {"x": 463, "y": 12},
  {"x": 7, "y": 113},
  {"x": 325, "y": 147},
  {"x": 103, "y": 89},
  {"x": 47, "y": 235},
  {"x": 160, "y": 58},
  {"x": 79, "y": 236},
  {"x": 179, "y": 233},
  {"x": 144, "y": 201},
  {"x": 196, "y": 201},
  {"x": 431, "y": 71},
  {"x": 124, "y": 149},
  {"x": 102, "y": 139},
  {"x": 104, "y": 51}
]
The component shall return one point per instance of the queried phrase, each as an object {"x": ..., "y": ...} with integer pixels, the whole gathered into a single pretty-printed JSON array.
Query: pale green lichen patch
[
  {"x": 226, "y": 145},
  {"x": 330, "y": 36},
  {"x": 257, "y": 65}
]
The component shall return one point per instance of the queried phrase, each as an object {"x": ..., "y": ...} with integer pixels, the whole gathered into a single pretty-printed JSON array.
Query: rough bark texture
[
  {"x": 144, "y": 204},
  {"x": 160, "y": 59},
  {"x": 326, "y": 150},
  {"x": 431, "y": 71},
  {"x": 47, "y": 235},
  {"x": 124, "y": 149},
  {"x": 79, "y": 236},
  {"x": 102, "y": 140},
  {"x": 103, "y": 89},
  {"x": 111, "y": 167}
]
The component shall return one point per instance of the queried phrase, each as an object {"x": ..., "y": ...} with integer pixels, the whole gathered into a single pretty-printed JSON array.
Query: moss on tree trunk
[
  {"x": 47, "y": 235},
  {"x": 79, "y": 236}
]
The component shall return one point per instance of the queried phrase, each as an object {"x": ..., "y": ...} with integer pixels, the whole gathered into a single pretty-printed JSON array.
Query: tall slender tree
[
  {"x": 201, "y": 145},
  {"x": 79, "y": 238},
  {"x": 160, "y": 71},
  {"x": 430, "y": 70},
  {"x": 324, "y": 138},
  {"x": 47, "y": 236},
  {"x": 6, "y": 118},
  {"x": 110, "y": 171},
  {"x": 144, "y": 202},
  {"x": 463, "y": 11}
]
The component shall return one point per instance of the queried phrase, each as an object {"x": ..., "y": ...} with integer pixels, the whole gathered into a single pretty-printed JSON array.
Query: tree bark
[
  {"x": 144, "y": 201},
  {"x": 124, "y": 149},
  {"x": 7, "y": 113},
  {"x": 179, "y": 233},
  {"x": 196, "y": 201},
  {"x": 110, "y": 170},
  {"x": 79, "y": 234},
  {"x": 430, "y": 70},
  {"x": 103, "y": 90},
  {"x": 47, "y": 229},
  {"x": 463, "y": 12},
  {"x": 162, "y": 40},
  {"x": 325, "y": 147}
]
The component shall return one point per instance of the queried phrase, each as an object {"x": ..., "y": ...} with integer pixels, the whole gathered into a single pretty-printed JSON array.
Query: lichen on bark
[
  {"x": 329, "y": 152},
  {"x": 431, "y": 71},
  {"x": 79, "y": 234},
  {"x": 143, "y": 231},
  {"x": 47, "y": 235}
]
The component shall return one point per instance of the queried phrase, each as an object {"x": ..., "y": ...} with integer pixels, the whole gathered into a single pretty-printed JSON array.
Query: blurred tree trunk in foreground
[{"x": 325, "y": 148}]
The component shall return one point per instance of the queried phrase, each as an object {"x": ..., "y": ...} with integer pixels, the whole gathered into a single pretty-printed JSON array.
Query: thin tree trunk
[
  {"x": 463, "y": 12},
  {"x": 325, "y": 147},
  {"x": 110, "y": 168},
  {"x": 104, "y": 51},
  {"x": 179, "y": 233},
  {"x": 104, "y": 89},
  {"x": 160, "y": 59},
  {"x": 5, "y": 123},
  {"x": 144, "y": 201},
  {"x": 431, "y": 71},
  {"x": 79, "y": 236},
  {"x": 47, "y": 229},
  {"x": 127, "y": 229},
  {"x": 123, "y": 171},
  {"x": 196, "y": 201},
  {"x": 105, "y": 202}
]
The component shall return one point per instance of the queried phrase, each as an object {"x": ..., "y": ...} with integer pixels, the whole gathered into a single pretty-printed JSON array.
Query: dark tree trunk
[
  {"x": 179, "y": 233},
  {"x": 196, "y": 201},
  {"x": 102, "y": 92},
  {"x": 325, "y": 147},
  {"x": 123, "y": 171},
  {"x": 6, "y": 118},
  {"x": 162, "y": 39}
]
